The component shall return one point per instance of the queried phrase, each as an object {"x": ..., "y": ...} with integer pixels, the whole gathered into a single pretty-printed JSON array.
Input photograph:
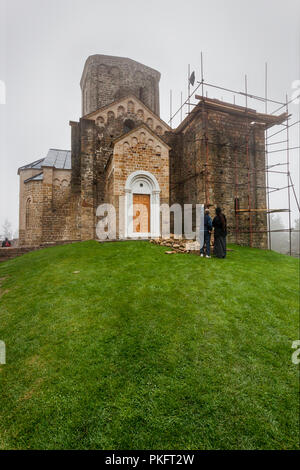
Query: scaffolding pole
[
  {"x": 288, "y": 174},
  {"x": 170, "y": 109},
  {"x": 189, "y": 87},
  {"x": 267, "y": 159}
]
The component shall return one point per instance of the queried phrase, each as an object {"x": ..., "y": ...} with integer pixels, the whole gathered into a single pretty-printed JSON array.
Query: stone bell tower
[{"x": 105, "y": 79}]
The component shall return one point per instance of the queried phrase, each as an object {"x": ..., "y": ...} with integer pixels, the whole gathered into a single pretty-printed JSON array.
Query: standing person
[
  {"x": 207, "y": 234},
  {"x": 220, "y": 232}
]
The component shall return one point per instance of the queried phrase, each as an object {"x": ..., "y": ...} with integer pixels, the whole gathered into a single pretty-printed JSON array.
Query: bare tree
[{"x": 7, "y": 230}]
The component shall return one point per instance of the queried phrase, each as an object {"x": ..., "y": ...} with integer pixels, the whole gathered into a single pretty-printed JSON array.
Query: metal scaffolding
[{"x": 268, "y": 151}]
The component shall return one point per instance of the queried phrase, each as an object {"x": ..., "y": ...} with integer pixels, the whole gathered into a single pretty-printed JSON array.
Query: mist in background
[{"x": 44, "y": 45}]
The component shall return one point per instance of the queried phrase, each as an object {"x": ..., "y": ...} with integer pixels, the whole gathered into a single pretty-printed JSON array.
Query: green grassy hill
[{"x": 142, "y": 350}]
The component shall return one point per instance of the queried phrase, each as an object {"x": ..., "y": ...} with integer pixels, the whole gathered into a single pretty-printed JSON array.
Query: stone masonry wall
[
  {"x": 213, "y": 168},
  {"x": 27, "y": 193},
  {"x": 138, "y": 151},
  {"x": 30, "y": 231},
  {"x": 106, "y": 79},
  {"x": 92, "y": 148},
  {"x": 59, "y": 207}
]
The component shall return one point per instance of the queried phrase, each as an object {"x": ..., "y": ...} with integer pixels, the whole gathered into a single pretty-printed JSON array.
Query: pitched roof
[
  {"x": 59, "y": 159},
  {"x": 38, "y": 177},
  {"x": 37, "y": 165}
]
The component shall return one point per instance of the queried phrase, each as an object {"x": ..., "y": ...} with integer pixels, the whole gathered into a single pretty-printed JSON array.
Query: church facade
[{"x": 123, "y": 154}]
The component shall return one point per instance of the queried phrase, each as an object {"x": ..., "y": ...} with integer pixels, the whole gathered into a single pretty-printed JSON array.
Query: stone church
[{"x": 121, "y": 147}]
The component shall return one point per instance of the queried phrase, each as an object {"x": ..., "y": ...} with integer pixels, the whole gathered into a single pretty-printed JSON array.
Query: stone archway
[{"x": 144, "y": 184}]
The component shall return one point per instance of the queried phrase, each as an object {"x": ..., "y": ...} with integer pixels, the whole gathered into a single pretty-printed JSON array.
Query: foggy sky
[{"x": 44, "y": 44}]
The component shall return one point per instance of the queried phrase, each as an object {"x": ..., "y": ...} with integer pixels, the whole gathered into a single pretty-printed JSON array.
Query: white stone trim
[{"x": 152, "y": 188}]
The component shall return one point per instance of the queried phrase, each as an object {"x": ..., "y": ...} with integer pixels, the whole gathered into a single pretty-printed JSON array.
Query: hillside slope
[{"x": 141, "y": 350}]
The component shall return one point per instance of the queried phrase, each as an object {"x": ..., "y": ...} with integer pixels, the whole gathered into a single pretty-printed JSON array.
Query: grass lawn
[{"x": 142, "y": 350}]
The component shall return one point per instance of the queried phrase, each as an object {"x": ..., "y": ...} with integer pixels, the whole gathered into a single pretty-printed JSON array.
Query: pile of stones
[{"x": 174, "y": 245}]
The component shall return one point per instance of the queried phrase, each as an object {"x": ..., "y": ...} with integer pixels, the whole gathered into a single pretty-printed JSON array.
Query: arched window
[
  {"x": 110, "y": 116},
  {"x": 134, "y": 142},
  {"x": 130, "y": 107},
  {"x": 121, "y": 111},
  {"x": 102, "y": 69},
  {"x": 126, "y": 148},
  {"x": 159, "y": 130},
  {"x": 150, "y": 123},
  {"x": 140, "y": 114},
  {"x": 142, "y": 137},
  {"x": 100, "y": 121},
  {"x": 115, "y": 72},
  {"x": 28, "y": 210},
  {"x": 158, "y": 150}
]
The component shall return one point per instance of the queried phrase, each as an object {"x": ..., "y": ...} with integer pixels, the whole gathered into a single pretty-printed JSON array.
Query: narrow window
[{"x": 27, "y": 221}]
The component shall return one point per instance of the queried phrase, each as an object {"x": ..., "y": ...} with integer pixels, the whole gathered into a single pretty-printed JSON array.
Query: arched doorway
[{"x": 142, "y": 203}]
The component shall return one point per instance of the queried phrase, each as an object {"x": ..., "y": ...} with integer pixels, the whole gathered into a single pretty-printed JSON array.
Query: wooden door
[{"x": 141, "y": 213}]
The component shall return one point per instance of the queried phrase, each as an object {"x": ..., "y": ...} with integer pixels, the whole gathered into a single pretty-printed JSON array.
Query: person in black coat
[
  {"x": 207, "y": 234},
  {"x": 220, "y": 232}
]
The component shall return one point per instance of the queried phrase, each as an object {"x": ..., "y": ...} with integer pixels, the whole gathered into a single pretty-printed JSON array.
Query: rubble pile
[{"x": 177, "y": 245}]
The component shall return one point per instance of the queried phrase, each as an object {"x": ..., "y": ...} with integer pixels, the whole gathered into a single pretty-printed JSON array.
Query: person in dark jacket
[
  {"x": 220, "y": 232},
  {"x": 6, "y": 243},
  {"x": 207, "y": 234}
]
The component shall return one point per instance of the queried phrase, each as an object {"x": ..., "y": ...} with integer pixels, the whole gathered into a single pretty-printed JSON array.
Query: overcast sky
[{"x": 44, "y": 44}]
